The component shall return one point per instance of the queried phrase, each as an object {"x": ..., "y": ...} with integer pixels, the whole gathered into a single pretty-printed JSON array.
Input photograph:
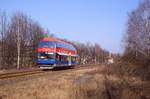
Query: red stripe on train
[
  {"x": 60, "y": 50},
  {"x": 43, "y": 49}
]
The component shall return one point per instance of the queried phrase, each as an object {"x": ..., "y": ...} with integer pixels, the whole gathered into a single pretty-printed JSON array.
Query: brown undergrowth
[{"x": 122, "y": 82}]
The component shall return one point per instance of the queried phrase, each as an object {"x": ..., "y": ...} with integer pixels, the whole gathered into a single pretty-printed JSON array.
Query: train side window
[
  {"x": 58, "y": 57},
  {"x": 72, "y": 59},
  {"x": 64, "y": 58}
]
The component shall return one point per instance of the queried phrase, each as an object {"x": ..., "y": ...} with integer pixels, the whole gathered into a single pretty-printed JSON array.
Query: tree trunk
[{"x": 18, "y": 47}]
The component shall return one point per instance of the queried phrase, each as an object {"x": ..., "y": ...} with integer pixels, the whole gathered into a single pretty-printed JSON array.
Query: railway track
[
  {"x": 20, "y": 73},
  {"x": 31, "y": 72}
]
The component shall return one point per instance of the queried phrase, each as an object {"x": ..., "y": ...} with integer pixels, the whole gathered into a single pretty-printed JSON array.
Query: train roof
[
  {"x": 52, "y": 39},
  {"x": 49, "y": 39}
]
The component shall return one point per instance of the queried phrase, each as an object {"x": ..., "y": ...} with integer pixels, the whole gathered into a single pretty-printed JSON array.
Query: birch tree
[{"x": 138, "y": 32}]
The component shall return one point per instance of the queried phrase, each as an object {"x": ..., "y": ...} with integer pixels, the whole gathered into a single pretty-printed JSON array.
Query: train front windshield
[
  {"x": 46, "y": 55},
  {"x": 46, "y": 44}
]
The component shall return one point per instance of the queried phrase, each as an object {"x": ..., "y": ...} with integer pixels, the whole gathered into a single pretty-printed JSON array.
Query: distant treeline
[{"x": 19, "y": 38}]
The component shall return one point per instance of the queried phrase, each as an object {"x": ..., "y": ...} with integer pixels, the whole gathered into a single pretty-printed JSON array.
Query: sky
[{"x": 95, "y": 21}]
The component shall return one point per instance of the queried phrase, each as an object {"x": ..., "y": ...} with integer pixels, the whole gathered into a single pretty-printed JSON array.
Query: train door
[{"x": 69, "y": 60}]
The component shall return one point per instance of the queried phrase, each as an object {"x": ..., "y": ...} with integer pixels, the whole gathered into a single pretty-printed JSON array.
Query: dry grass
[
  {"x": 77, "y": 84},
  {"x": 90, "y": 83}
]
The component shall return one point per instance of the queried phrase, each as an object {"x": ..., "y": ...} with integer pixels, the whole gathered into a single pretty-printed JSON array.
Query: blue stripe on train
[
  {"x": 45, "y": 62},
  {"x": 53, "y": 61}
]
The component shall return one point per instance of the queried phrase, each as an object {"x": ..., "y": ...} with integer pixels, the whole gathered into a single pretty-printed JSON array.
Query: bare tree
[
  {"x": 138, "y": 32},
  {"x": 3, "y": 28},
  {"x": 18, "y": 41},
  {"x": 90, "y": 53},
  {"x": 21, "y": 40}
]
